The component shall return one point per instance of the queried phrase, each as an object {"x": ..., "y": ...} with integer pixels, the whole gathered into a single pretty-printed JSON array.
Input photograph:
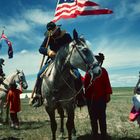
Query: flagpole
[{"x": 32, "y": 94}]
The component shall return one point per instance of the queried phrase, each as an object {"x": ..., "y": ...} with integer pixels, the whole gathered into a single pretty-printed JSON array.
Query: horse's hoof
[
  {"x": 31, "y": 101},
  {"x": 1, "y": 124}
]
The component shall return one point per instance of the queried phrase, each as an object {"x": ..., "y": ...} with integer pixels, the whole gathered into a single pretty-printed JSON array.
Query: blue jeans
[
  {"x": 42, "y": 70},
  {"x": 76, "y": 72}
]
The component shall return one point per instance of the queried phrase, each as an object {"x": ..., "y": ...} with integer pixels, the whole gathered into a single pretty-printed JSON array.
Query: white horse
[
  {"x": 18, "y": 77},
  {"x": 58, "y": 87}
]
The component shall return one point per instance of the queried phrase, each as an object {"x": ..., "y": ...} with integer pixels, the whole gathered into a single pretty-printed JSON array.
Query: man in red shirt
[{"x": 97, "y": 96}]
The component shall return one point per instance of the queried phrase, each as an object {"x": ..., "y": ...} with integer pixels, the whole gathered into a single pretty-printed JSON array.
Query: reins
[{"x": 68, "y": 60}]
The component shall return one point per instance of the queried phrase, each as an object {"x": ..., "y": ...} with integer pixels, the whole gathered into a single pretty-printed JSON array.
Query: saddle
[{"x": 47, "y": 70}]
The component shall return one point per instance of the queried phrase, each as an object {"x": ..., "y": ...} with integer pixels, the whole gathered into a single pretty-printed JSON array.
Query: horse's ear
[
  {"x": 18, "y": 71},
  {"x": 75, "y": 35}
]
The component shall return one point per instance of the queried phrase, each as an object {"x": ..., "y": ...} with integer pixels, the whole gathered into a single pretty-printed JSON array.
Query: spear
[
  {"x": 50, "y": 33},
  {"x": 41, "y": 64}
]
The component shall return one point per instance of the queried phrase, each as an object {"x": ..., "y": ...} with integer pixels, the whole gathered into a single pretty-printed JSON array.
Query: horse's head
[
  {"x": 20, "y": 79},
  {"x": 82, "y": 57}
]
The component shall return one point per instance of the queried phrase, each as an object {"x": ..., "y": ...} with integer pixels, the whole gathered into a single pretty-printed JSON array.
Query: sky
[{"x": 115, "y": 35}]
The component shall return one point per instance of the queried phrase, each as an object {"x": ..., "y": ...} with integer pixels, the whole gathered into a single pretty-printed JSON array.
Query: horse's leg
[
  {"x": 51, "y": 114},
  {"x": 61, "y": 113},
  {"x": 70, "y": 121},
  {"x": 74, "y": 131}
]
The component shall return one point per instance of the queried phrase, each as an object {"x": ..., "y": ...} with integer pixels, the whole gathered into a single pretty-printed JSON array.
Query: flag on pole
[
  {"x": 73, "y": 8},
  {"x": 10, "y": 49}
]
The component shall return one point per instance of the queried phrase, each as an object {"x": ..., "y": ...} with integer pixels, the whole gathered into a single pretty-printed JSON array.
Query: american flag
[{"x": 73, "y": 8}]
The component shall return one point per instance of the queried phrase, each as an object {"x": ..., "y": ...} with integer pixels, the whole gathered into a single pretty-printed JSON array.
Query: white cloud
[
  {"x": 23, "y": 52},
  {"x": 38, "y": 16},
  {"x": 27, "y": 61},
  {"x": 15, "y": 26},
  {"x": 118, "y": 53},
  {"x": 135, "y": 8},
  {"x": 123, "y": 80},
  {"x": 26, "y": 22},
  {"x": 128, "y": 10}
]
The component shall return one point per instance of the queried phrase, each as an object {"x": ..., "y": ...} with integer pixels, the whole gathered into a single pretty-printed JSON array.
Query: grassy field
[{"x": 35, "y": 124}]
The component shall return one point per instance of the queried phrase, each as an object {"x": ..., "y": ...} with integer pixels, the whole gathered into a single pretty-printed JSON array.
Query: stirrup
[{"x": 37, "y": 101}]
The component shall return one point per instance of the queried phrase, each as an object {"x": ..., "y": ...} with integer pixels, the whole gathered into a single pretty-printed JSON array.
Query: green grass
[{"x": 35, "y": 124}]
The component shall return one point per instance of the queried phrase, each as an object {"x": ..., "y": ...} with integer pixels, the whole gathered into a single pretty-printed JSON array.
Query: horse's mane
[
  {"x": 13, "y": 73},
  {"x": 62, "y": 53}
]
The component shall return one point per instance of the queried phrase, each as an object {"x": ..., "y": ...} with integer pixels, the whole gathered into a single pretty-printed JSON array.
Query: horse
[
  {"x": 17, "y": 77},
  {"x": 58, "y": 88}
]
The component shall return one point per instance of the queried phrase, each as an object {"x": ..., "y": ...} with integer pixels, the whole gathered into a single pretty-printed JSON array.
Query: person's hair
[
  {"x": 13, "y": 85},
  {"x": 100, "y": 58},
  {"x": 138, "y": 90},
  {"x": 1, "y": 61}
]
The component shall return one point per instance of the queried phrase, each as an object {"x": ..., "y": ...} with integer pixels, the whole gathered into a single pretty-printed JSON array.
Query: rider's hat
[
  {"x": 51, "y": 26},
  {"x": 1, "y": 61}
]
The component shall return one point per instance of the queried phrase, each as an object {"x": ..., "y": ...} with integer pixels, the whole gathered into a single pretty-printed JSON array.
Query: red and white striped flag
[
  {"x": 73, "y": 8},
  {"x": 10, "y": 49}
]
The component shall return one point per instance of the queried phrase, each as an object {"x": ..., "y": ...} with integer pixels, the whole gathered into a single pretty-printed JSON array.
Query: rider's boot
[{"x": 38, "y": 100}]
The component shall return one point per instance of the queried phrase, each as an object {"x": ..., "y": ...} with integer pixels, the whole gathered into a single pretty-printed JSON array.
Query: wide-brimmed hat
[
  {"x": 100, "y": 57},
  {"x": 2, "y": 61},
  {"x": 51, "y": 26}
]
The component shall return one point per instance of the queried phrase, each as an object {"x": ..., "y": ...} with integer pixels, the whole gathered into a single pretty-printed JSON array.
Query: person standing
[
  {"x": 13, "y": 100},
  {"x": 135, "y": 111},
  {"x": 97, "y": 96}
]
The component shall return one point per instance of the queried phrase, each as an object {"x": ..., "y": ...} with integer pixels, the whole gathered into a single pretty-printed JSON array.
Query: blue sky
[{"x": 116, "y": 35}]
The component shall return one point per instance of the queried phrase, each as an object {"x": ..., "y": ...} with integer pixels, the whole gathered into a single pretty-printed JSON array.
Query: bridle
[
  {"x": 89, "y": 67},
  {"x": 20, "y": 78},
  {"x": 7, "y": 82}
]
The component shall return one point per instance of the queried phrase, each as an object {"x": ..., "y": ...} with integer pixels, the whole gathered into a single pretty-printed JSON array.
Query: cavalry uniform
[
  {"x": 58, "y": 40},
  {"x": 55, "y": 43}
]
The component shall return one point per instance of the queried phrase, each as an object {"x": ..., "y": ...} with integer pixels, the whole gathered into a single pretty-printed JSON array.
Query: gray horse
[
  {"x": 58, "y": 87},
  {"x": 18, "y": 77}
]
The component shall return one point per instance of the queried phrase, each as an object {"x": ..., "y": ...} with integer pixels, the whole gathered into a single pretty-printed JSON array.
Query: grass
[{"x": 35, "y": 124}]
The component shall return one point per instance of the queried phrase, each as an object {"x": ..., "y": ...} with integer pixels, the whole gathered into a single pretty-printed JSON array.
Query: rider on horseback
[
  {"x": 57, "y": 38},
  {"x": 2, "y": 74}
]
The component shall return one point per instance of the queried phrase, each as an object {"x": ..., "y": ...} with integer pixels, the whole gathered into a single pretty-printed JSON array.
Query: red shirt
[
  {"x": 99, "y": 88},
  {"x": 13, "y": 99}
]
